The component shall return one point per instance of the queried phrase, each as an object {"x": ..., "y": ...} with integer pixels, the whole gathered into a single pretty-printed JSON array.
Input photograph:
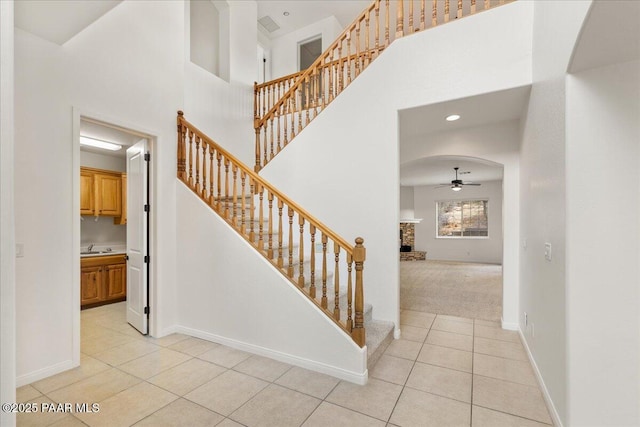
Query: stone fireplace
[{"x": 407, "y": 243}]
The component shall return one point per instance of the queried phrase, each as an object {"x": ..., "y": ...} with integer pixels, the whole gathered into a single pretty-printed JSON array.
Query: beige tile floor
[{"x": 446, "y": 371}]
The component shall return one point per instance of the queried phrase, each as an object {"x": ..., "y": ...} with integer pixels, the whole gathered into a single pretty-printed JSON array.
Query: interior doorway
[
  {"x": 114, "y": 240},
  {"x": 451, "y": 247}
]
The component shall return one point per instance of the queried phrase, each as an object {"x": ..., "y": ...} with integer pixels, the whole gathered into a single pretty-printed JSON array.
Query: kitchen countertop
[{"x": 103, "y": 250}]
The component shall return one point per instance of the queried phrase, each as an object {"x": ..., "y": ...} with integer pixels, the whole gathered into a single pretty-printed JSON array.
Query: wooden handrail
[
  {"x": 303, "y": 95},
  {"x": 225, "y": 184}
]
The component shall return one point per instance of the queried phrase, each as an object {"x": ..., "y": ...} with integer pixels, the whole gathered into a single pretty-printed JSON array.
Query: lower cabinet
[{"x": 103, "y": 279}]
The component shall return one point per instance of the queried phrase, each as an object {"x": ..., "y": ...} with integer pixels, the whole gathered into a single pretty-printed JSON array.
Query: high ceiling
[
  {"x": 306, "y": 12},
  {"x": 59, "y": 20}
]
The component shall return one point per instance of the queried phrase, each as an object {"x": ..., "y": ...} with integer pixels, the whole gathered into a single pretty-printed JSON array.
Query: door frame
[{"x": 152, "y": 136}]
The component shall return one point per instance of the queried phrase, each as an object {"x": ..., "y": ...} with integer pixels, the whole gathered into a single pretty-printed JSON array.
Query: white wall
[
  {"x": 488, "y": 250},
  {"x": 343, "y": 167},
  {"x": 262, "y": 312},
  {"x": 102, "y": 231},
  {"x": 603, "y": 245},
  {"x": 7, "y": 231},
  {"x": 243, "y": 41},
  {"x": 284, "y": 49},
  {"x": 110, "y": 70},
  {"x": 543, "y": 195},
  {"x": 406, "y": 203},
  {"x": 205, "y": 35},
  {"x": 102, "y": 161}
]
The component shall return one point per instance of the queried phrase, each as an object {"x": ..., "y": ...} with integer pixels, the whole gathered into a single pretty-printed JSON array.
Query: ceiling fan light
[
  {"x": 452, "y": 117},
  {"x": 456, "y": 188}
]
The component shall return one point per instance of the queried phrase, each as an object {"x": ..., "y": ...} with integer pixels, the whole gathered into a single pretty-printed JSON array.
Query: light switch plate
[
  {"x": 19, "y": 250},
  {"x": 547, "y": 251}
]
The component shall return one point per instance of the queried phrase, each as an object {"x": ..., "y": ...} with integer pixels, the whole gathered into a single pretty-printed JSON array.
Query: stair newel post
[
  {"x": 292, "y": 110},
  {"x": 181, "y": 147},
  {"x": 349, "y": 292},
  {"x": 400, "y": 20},
  {"x": 255, "y": 100},
  {"x": 290, "y": 214},
  {"x": 299, "y": 90},
  {"x": 359, "y": 255},
  {"x": 386, "y": 23},
  {"x": 204, "y": 170},
  {"x": 323, "y": 302},
  {"x": 243, "y": 178},
  {"x": 285, "y": 122},
  {"x": 219, "y": 158},
  {"x": 336, "y": 281},
  {"x": 280, "y": 205},
  {"x": 434, "y": 13},
  {"x": 312, "y": 249},
  {"x": 260, "y": 216},
  {"x": 316, "y": 91},
  {"x": 270, "y": 230},
  {"x": 234, "y": 208},
  {"x": 257, "y": 129},
  {"x": 459, "y": 14},
  {"x": 446, "y": 11},
  {"x": 422, "y": 13},
  {"x": 301, "y": 252},
  {"x": 191, "y": 158},
  {"x": 473, "y": 6}
]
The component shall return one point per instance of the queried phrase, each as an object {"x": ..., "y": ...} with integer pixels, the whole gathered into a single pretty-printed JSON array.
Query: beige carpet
[{"x": 454, "y": 288}]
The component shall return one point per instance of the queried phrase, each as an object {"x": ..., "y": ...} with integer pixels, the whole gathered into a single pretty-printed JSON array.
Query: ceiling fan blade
[
  {"x": 470, "y": 183},
  {"x": 443, "y": 186}
]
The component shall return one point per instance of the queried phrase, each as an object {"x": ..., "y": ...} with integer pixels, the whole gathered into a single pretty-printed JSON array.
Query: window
[{"x": 462, "y": 218}]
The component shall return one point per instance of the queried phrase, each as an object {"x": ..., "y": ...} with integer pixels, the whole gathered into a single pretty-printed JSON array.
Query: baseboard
[
  {"x": 353, "y": 377},
  {"x": 510, "y": 326},
  {"x": 167, "y": 331},
  {"x": 44, "y": 373},
  {"x": 545, "y": 392},
  {"x": 397, "y": 333}
]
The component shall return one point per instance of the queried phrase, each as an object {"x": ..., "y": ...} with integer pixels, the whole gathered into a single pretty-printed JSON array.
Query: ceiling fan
[{"x": 456, "y": 184}]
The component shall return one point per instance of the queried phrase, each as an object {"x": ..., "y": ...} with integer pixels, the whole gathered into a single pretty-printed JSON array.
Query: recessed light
[
  {"x": 285, "y": 13},
  {"x": 97, "y": 143},
  {"x": 452, "y": 118}
]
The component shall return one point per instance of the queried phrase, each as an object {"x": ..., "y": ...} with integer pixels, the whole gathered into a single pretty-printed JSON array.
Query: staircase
[
  {"x": 321, "y": 265},
  {"x": 285, "y": 106}
]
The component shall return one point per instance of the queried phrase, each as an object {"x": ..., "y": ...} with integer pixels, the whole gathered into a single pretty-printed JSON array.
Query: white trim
[
  {"x": 545, "y": 392},
  {"x": 397, "y": 334},
  {"x": 509, "y": 326},
  {"x": 411, "y": 221},
  {"x": 353, "y": 377},
  {"x": 45, "y": 372},
  {"x": 79, "y": 114}
]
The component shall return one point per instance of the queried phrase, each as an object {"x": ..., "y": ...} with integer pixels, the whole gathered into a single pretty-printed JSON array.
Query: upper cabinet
[{"x": 101, "y": 194}]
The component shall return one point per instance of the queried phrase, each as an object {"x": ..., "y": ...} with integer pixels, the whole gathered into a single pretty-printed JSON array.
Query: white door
[{"x": 137, "y": 237}]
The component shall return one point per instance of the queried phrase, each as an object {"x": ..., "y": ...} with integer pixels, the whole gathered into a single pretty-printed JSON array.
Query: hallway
[{"x": 446, "y": 371}]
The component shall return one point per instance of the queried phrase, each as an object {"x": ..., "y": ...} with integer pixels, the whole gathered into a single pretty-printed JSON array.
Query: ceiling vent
[{"x": 268, "y": 24}]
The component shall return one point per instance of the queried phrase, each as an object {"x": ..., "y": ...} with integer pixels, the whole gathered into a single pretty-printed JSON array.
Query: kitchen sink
[{"x": 95, "y": 252}]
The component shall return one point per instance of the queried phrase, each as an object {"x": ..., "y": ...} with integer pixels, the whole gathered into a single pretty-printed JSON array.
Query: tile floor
[{"x": 446, "y": 371}]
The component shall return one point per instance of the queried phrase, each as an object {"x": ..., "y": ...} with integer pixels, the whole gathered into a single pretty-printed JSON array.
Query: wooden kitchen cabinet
[
  {"x": 101, "y": 193},
  {"x": 91, "y": 288},
  {"x": 122, "y": 219},
  {"x": 87, "y": 204},
  {"x": 103, "y": 279}
]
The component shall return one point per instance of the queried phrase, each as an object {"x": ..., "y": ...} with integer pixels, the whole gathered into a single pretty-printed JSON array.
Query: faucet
[{"x": 90, "y": 247}]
